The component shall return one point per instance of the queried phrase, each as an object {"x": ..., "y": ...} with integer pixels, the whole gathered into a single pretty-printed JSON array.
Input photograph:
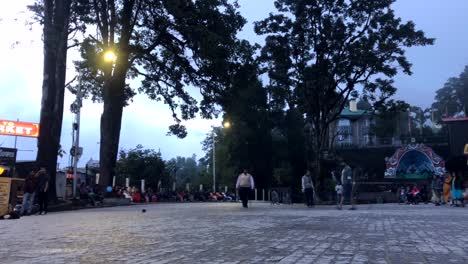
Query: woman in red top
[{"x": 136, "y": 198}]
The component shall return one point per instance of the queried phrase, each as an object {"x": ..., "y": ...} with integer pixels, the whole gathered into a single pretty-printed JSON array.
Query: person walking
[
  {"x": 244, "y": 184},
  {"x": 347, "y": 181},
  {"x": 339, "y": 195},
  {"x": 42, "y": 189},
  {"x": 28, "y": 196},
  {"x": 437, "y": 187},
  {"x": 308, "y": 189}
]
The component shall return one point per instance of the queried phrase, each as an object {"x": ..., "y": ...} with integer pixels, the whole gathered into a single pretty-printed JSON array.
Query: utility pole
[
  {"x": 76, "y": 136},
  {"x": 214, "y": 160}
]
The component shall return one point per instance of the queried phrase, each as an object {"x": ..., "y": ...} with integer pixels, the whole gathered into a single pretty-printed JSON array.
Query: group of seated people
[
  {"x": 220, "y": 196},
  {"x": 91, "y": 195},
  {"x": 135, "y": 194},
  {"x": 148, "y": 196},
  {"x": 413, "y": 195}
]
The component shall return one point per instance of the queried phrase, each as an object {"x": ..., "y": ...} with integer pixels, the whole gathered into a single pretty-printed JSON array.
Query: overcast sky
[{"x": 145, "y": 122}]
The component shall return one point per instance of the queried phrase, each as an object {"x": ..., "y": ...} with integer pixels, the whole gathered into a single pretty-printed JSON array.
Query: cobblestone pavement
[{"x": 226, "y": 233}]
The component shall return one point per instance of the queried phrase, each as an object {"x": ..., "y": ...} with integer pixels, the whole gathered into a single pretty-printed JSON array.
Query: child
[
  {"x": 402, "y": 195},
  {"x": 339, "y": 195}
]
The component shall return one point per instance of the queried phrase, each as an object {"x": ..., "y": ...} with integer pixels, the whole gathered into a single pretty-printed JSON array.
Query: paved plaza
[{"x": 226, "y": 233}]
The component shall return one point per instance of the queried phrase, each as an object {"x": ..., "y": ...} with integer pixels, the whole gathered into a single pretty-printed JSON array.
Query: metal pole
[
  {"x": 14, "y": 164},
  {"x": 77, "y": 141},
  {"x": 16, "y": 137},
  {"x": 214, "y": 161}
]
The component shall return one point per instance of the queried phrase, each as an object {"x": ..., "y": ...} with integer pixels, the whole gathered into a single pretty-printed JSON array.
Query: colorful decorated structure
[{"x": 414, "y": 161}]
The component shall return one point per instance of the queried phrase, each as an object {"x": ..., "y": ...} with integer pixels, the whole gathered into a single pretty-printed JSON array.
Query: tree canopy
[
  {"x": 317, "y": 53},
  {"x": 452, "y": 98},
  {"x": 170, "y": 45}
]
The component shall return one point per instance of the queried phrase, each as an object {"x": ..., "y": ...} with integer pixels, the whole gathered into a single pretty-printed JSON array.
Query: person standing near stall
[
  {"x": 28, "y": 196},
  {"x": 245, "y": 183},
  {"x": 437, "y": 190},
  {"x": 42, "y": 189},
  {"x": 447, "y": 187},
  {"x": 457, "y": 190}
]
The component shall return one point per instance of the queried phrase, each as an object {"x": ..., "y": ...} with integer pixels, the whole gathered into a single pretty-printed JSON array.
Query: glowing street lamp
[{"x": 110, "y": 56}]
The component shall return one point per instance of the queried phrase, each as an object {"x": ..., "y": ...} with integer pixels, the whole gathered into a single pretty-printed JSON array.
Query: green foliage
[
  {"x": 317, "y": 53},
  {"x": 169, "y": 46},
  {"x": 282, "y": 177},
  {"x": 363, "y": 104},
  {"x": 226, "y": 173},
  {"x": 183, "y": 170},
  {"x": 247, "y": 143},
  {"x": 453, "y": 97},
  {"x": 141, "y": 164},
  {"x": 388, "y": 118}
]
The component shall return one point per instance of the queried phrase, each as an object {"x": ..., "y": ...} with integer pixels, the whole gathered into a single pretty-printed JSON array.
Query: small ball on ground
[{"x": 143, "y": 211}]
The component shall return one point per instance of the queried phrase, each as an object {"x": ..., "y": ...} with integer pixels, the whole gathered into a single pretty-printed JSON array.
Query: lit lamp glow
[
  {"x": 2, "y": 170},
  {"x": 227, "y": 124},
  {"x": 109, "y": 56}
]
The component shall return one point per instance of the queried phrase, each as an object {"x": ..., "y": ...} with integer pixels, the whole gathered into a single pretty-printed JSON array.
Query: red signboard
[{"x": 20, "y": 129}]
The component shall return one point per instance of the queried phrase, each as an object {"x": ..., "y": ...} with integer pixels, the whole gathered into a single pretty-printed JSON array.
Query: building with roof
[{"x": 352, "y": 129}]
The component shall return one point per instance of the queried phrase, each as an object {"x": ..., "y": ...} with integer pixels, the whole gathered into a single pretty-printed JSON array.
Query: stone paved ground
[{"x": 225, "y": 233}]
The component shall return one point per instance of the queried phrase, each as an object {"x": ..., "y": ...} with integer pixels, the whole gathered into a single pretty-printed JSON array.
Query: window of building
[{"x": 344, "y": 122}]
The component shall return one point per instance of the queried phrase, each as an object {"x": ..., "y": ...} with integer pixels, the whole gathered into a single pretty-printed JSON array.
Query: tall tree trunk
[
  {"x": 114, "y": 96},
  {"x": 111, "y": 121},
  {"x": 56, "y": 20}
]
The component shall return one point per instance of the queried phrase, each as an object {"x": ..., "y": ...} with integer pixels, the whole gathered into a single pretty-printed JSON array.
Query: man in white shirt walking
[
  {"x": 244, "y": 184},
  {"x": 308, "y": 189}
]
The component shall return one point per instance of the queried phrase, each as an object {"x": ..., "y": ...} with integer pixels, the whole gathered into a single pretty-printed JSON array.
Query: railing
[
  {"x": 391, "y": 141},
  {"x": 281, "y": 195}
]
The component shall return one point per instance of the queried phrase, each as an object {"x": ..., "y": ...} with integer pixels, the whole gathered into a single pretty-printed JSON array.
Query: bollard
[
  {"x": 97, "y": 178},
  {"x": 255, "y": 194},
  {"x": 142, "y": 186},
  {"x": 201, "y": 187},
  {"x": 263, "y": 194},
  {"x": 113, "y": 181},
  {"x": 187, "y": 187},
  {"x": 127, "y": 182},
  {"x": 225, "y": 189},
  {"x": 173, "y": 187}
]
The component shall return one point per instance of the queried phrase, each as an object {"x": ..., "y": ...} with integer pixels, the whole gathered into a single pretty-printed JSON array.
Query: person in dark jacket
[
  {"x": 28, "y": 196},
  {"x": 42, "y": 189},
  {"x": 437, "y": 187}
]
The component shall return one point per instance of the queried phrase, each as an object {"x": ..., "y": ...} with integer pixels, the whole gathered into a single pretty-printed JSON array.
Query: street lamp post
[
  {"x": 214, "y": 161},
  {"x": 226, "y": 124}
]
